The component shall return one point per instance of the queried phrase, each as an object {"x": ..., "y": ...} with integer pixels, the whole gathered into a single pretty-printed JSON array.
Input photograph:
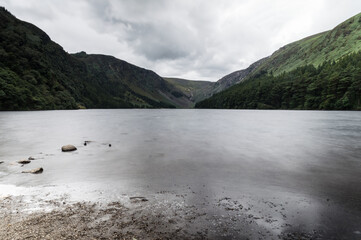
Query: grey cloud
[
  {"x": 149, "y": 35},
  {"x": 158, "y": 42}
]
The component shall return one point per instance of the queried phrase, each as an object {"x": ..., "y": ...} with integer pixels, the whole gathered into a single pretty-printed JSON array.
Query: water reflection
[{"x": 312, "y": 156}]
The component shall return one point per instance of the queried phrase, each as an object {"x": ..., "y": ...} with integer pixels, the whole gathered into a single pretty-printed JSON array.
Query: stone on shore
[
  {"x": 68, "y": 148},
  {"x": 24, "y": 161},
  {"x": 34, "y": 171}
]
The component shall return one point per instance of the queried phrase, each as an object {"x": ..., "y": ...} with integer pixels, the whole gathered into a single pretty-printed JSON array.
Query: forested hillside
[
  {"x": 318, "y": 72},
  {"x": 37, "y": 74},
  {"x": 332, "y": 85}
]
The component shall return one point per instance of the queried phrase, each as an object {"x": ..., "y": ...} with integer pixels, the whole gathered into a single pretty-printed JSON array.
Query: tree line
[{"x": 330, "y": 86}]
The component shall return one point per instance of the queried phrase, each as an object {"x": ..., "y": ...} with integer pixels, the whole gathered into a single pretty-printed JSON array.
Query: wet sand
[{"x": 163, "y": 215}]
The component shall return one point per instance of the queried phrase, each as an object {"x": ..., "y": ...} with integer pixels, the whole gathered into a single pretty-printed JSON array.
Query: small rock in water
[
  {"x": 68, "y": 148},
  {"x": 31, "y": 158},
  {"x": 34, "y": 171},
  {"x": 85, "y": 144},
  {"x": 1, "y": 162},
  {"x": 110, "y": 145},
  {"x": 24, "y": 161},
  {"x": 142, "y": 199}
]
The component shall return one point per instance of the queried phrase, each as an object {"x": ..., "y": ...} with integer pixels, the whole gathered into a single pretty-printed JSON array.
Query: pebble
[{"x": 24, "y": 161}]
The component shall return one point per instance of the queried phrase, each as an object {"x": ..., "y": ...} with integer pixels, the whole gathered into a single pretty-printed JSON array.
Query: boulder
[
  {"x": 24, "y": 161},
  {"x": 68, "y": 148},
  {"x": 34, "y": 171}
]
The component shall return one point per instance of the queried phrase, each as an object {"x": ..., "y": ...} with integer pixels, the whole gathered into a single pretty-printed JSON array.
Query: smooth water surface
[{"x": 316, "y": 155}]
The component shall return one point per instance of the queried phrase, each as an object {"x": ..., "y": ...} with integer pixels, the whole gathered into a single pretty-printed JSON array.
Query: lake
[{"x": 308, "y": 162}]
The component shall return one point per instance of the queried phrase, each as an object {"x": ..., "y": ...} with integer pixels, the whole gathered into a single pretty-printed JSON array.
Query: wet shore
[{"x": 163, "y": 215}]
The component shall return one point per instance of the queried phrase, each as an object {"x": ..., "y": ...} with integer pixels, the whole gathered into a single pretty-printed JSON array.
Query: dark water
[{"x": 307, "y": 155}]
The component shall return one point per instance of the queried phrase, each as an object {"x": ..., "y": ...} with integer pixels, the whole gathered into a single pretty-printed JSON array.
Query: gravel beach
[{"x": 164, "y": 215}]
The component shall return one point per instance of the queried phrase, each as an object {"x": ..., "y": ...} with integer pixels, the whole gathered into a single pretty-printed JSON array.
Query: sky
[{"x": 192, "y": 39}]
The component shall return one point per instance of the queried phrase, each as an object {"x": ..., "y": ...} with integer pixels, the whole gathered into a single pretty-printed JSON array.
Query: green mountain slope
[
  {"x": 318, "y": 72},
  {"x": 327, "y": 46},
  {"x": 36, "y": 73},
  {"x": 197, "y": 91},
  {"x": 138, "y": 86},
  {"x": 194, "y": 90},
  {"x": 236, "y": 77},
  {"x": 331, "y": 86}
]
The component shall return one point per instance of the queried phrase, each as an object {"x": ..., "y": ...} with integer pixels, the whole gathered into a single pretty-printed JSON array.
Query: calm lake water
[{"x": 308, "y": 155}]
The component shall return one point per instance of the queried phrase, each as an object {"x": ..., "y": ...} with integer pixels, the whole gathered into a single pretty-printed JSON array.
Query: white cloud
[{"x": 182, "y": 38}]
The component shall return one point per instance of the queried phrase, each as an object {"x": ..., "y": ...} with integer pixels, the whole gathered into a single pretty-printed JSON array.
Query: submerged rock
[
  {"x": 24, "y": 161},
  {"x": 34, "y": 171},
  {"x": 68, "y": 148},
  {"x": 141, "y": 199},
  {"x": 31, "y": 158}
]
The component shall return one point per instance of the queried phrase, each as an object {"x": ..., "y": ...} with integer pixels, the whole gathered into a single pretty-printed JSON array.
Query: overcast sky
[{"x": 194, "y": 39}]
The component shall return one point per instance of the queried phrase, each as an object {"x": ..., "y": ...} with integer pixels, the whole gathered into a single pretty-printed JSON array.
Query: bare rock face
[
  {"x": 34, "y": 171},
  {"x": 68, "y": 148}
]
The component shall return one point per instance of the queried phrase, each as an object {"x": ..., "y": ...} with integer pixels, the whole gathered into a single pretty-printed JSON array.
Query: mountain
[
  {"x": 315, "y": 50},
  {"x": 236, "y": 77},
  {"x": 138, "y": 86},
  {"x": 197, "y": 91},
  {"x": 36, "y": 74},
  {"x": 318, "y": 72},
  {"x": 194, "y": 90}
]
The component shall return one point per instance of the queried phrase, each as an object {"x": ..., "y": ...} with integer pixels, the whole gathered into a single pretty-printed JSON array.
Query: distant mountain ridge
[
  {"x": 197, "y": 91},
  {"x": 194, "y": 90}
]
